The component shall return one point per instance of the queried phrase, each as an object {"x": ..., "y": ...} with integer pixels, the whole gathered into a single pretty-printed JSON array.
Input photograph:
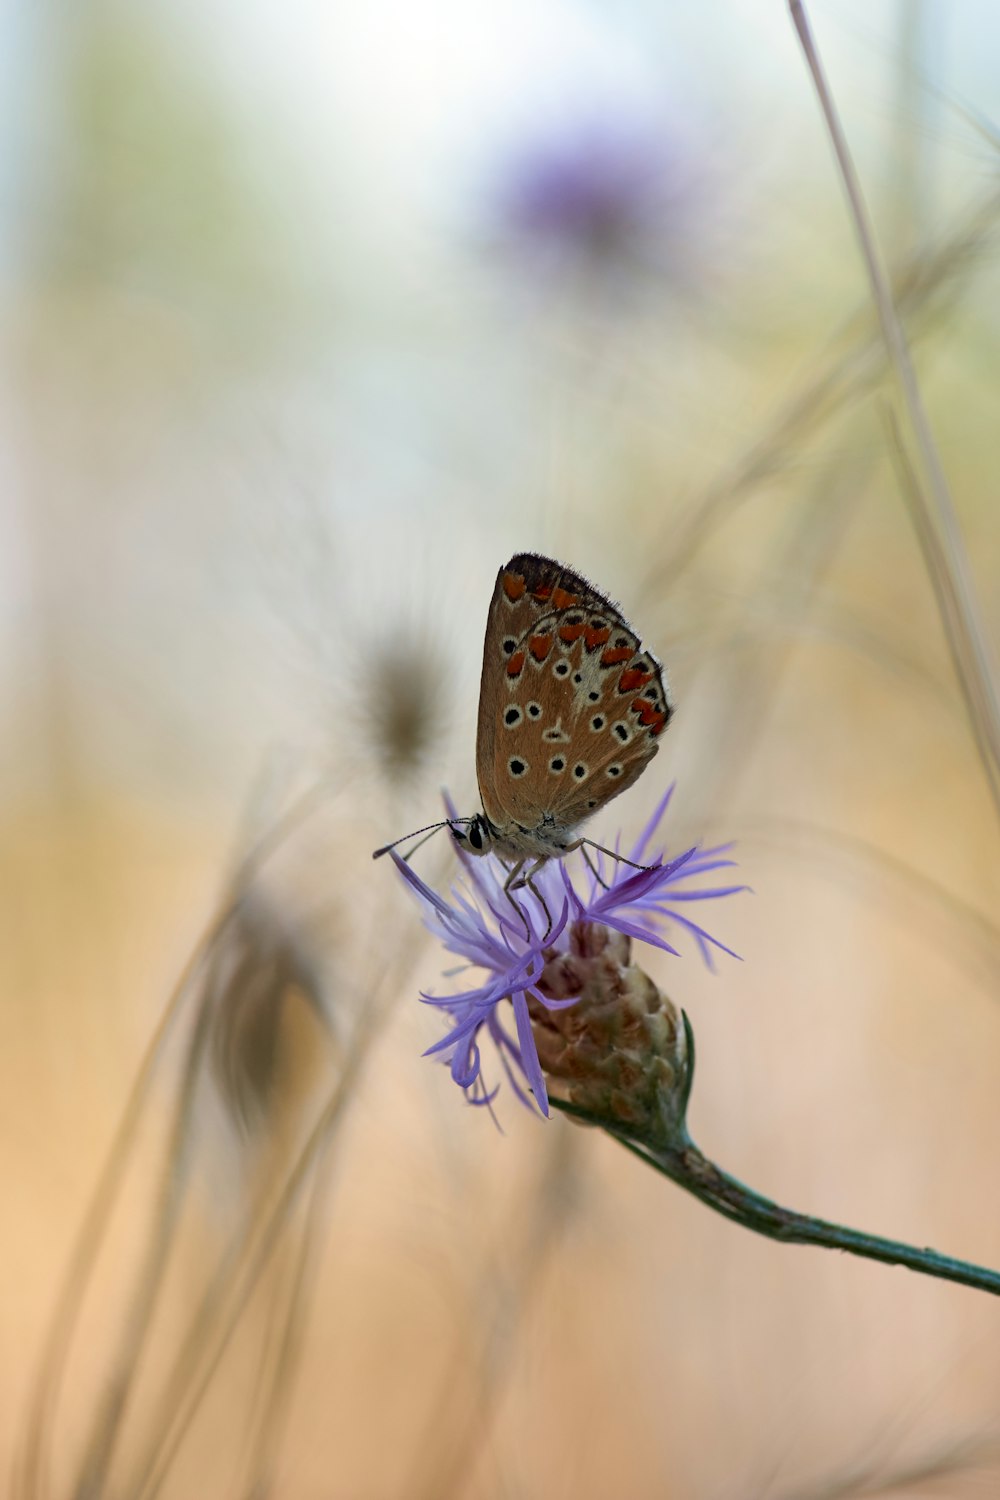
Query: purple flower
[
  {"x": 511, "y": 936},
  {"x": 604, "y": 189}
]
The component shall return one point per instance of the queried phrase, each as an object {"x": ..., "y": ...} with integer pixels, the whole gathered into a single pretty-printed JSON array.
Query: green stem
[{"x": 685, "y": 1165}]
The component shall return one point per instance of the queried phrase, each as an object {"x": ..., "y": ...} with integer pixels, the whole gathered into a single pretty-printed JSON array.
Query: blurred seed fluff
[
  {"x": 403, "y": 704},
  {"x": 264, "y": 1055},
  {"x": 729, "y": 461}
]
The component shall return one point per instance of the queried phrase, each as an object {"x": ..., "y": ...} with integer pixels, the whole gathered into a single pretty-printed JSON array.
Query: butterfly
[{"x": 571, "y": 708}]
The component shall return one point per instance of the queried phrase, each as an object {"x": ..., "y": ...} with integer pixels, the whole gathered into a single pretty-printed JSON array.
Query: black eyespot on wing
[
  {"x": 561, "y": 668},
  {"x": 557, "y": 764},
  {"x": 614, "y": 770},
  {"x": 508, "y": 645},
  {"x": 597, "y": 722},
  {"x": 577, "y": 676},
  {"x": 592, "y": 802},
  {"x": 621, "y": 730},
  {"x": 512, "y": 716},
  {"x": 579, "y": 771},
  {"x": 534, "y": 709},
  {"x": 594, "y": 696},
  {"x": 517, "y": 767}
]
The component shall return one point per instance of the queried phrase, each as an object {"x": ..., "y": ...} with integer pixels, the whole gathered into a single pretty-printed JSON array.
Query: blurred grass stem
[
  {"x": 968, "y": 932},
  {"x": 239, "y": 1272},
  {"x": 865, "y": 1481},
  {"x": 34, "y": 1465},
  {"x": 479, "y": 1376},
  {"x": 114, "y": 1397},
  {"x": 286, "y": 1326},
  {"x": 844, "y": 375},
  {"x": 797, "y": 566},
  {"x": 947, "y": 558},
  {"x": 940, "y": 575}
]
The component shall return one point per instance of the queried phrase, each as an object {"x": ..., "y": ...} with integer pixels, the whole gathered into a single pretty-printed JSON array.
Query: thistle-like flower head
[
  {"x": 520, "y": 939},
  {"x": 604, "y": 188}
]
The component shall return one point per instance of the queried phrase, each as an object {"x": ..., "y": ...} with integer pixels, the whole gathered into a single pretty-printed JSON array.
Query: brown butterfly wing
[{"x": 570, "y": 706}]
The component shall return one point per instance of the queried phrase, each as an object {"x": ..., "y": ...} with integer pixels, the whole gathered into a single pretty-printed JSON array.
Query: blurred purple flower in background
[
  {"x": 513, "y": 945},
  {"x": 604, "y": 191}
]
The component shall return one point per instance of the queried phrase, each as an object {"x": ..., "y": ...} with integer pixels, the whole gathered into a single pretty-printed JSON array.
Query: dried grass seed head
[
  {"x": 402, "y": 704},
  {"x": 260, "y": 966}
]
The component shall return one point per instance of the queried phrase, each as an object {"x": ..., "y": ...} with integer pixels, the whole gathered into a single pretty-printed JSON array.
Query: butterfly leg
[
  {"x": 513, "y": 883},
  {"x": 539, "y": 897},
  {"x": 619, "y": 858},
  {"x": 582, "y": 844},
  {"x": 591, "y": 866},
  {"x": 517, "y": 881}
]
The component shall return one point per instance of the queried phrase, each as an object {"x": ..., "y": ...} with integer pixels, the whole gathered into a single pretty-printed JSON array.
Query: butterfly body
[
  {"x": 547, "y": 840},
  {"x": 570, "y": 711}
]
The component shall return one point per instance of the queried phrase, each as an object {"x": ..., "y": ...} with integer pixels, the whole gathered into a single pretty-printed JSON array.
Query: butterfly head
[{"x": 473, "y": 835}]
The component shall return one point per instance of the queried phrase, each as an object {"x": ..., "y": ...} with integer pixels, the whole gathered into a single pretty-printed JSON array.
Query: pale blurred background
[{"x": 312, "y": 315}]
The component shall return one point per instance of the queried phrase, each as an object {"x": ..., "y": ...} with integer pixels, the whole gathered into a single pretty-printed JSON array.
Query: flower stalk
[
  {"x": 537, "y": 951},
  {"x": 597, "y": 1039},
  {"x": 623, "y": 1058},
  {"x": 663, "y": 1143}
]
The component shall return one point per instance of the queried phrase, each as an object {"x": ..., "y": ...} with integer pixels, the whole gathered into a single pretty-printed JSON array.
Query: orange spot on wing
[
  {"x": 634, "y": 678},
  {"x": 540, "y": 646},
  {"x": 515, "y": 664},
  {"x": 543, "y": 591},
  {"x": 562, "y": 600},
  {"x": 571, "y": 632},
  {"x": 597, "y": 637},
  {"x": 513, "y": 586},
  {"x": 614, "y": 655},
  {"x": 654, "y": 718}
]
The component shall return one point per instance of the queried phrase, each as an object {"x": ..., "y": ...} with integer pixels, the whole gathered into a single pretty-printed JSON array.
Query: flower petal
[
  {"x": 529, "y": 1054},
  {"x": 508, "y": 936},
  {"x": 639, "y": 851}
]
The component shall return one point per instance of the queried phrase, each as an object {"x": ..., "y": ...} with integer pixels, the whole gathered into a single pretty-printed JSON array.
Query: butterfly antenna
[{"x": 430, "y": 830}]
